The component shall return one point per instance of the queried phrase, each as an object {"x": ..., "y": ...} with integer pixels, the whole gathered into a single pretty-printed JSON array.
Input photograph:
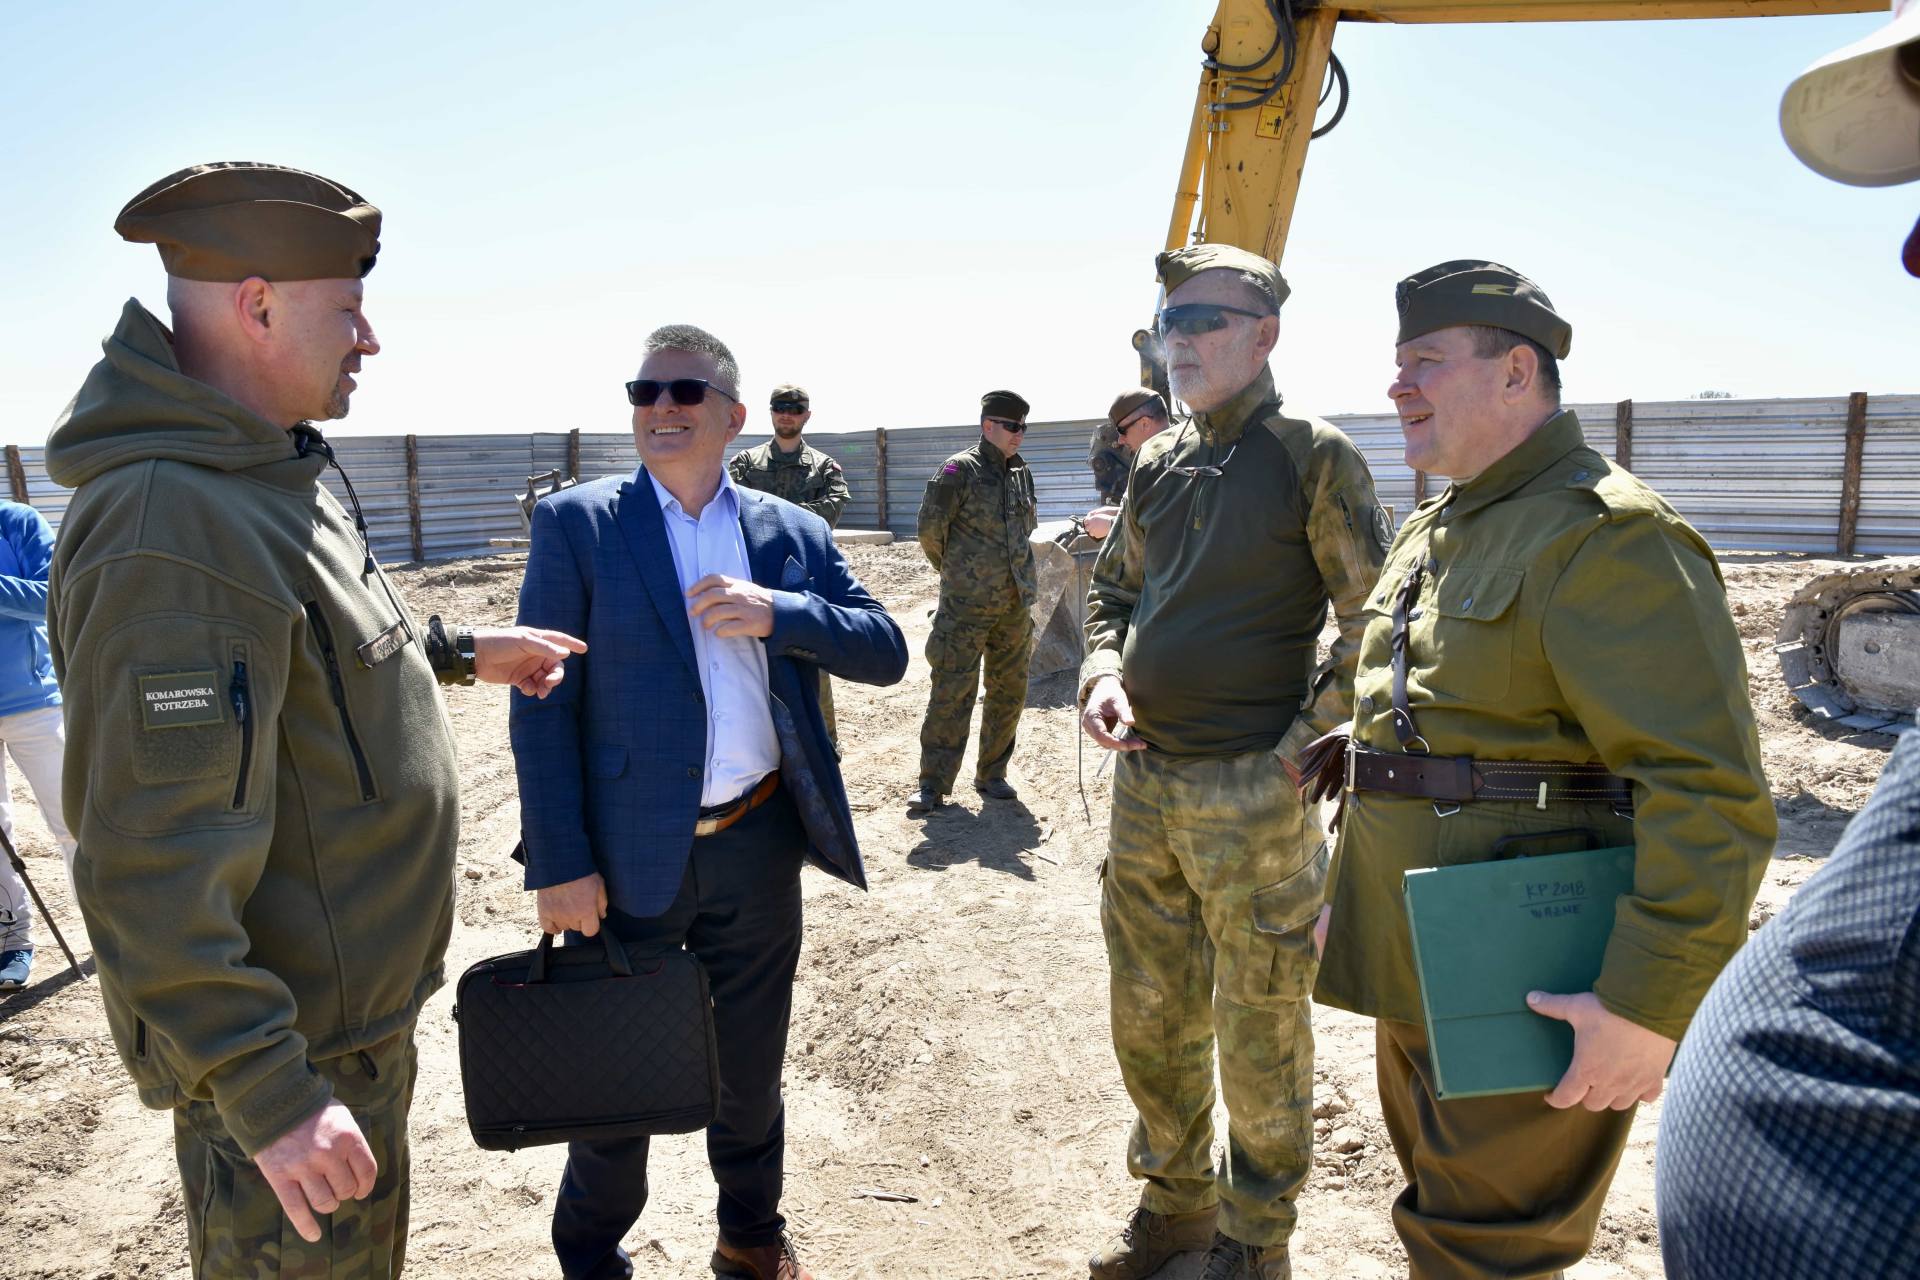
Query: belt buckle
[{"x": 706, "y": 826}]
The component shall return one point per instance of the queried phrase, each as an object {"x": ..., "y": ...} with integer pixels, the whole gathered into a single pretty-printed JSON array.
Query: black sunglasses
[
  {"x": 685, "y": 391},
  {"x": 1007, "y": 424},
  {"x": 789, "y": 406},
  {"x": 1200, "y": 317}
]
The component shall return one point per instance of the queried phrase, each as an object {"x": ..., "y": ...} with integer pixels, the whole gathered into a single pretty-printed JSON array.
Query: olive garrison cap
[
  {"x": 1465, "y": 291},
  {"x": 787, "y": 391},
  {"x": 1132, "y": 401},
  {"x": 1177, "y": 266},
  {"x": 235, "y": 219},
  {"x": 1003, "y": 404}
]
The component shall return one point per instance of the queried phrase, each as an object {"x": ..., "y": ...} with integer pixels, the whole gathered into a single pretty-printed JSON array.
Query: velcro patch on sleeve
[{"x": 180, "y": 699}]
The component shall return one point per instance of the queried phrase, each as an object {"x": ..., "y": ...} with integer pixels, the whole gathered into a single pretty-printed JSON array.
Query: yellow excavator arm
[{"x": 1260, "y": 87}]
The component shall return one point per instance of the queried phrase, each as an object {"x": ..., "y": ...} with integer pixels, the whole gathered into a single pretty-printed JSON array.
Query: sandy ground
[{"x": 949, "y": 1038}]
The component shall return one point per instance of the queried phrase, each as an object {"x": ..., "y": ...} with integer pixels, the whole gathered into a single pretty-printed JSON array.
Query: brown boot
[
  {"x": 762, "y": 1262},
  {"x": 1231, "y": 1260},
  {"x": 1149, "y": 1239}
]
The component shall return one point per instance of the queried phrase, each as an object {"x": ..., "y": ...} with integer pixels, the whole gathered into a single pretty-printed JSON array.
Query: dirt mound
[{"x": 949, "y": 1038}]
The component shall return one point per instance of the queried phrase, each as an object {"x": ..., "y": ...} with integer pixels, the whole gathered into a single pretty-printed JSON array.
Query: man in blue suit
[{"x": 674, "y": 784}]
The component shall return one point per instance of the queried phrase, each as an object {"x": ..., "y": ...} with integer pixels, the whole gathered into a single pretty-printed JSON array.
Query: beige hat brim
[{"x": 1854, "y": 116}]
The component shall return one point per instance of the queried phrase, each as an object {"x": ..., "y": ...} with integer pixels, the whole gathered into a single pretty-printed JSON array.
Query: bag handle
[{"x": 616, "y": 956}]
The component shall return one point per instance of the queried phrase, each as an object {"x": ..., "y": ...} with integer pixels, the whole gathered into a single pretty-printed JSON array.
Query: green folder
[{"x": 1486, "y": 933}]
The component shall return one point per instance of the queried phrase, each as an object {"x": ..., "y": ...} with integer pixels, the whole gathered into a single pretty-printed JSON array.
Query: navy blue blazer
[{"x": 610, "y": 763}]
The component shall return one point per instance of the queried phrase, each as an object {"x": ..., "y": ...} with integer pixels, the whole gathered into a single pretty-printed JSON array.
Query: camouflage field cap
[
  {"x": 1177, "y": 266},
  {"x": 1004, "y": 404},
  {"x": 235, "y": 219},
  {"x": 1466, "y": 291},
  {"x": 1132, "y": 401},
  {"x": 787, "y": 391}
]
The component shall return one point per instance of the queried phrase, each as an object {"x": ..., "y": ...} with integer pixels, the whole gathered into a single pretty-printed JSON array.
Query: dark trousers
[{"x": 738, "y": 912}]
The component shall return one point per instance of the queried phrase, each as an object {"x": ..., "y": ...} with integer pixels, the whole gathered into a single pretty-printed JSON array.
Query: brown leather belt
[
  {"x": 1459, "y": 779},
  {"x": 724, "y": 816}
]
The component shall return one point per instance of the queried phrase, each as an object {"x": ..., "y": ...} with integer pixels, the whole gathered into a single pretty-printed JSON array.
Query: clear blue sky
[{"x": 902, "y": 205}]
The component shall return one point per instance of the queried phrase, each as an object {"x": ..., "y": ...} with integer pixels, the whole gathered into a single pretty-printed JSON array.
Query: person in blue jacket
[
  {"x": 30, "y": 723},
  {"x": 672, "y": 789}
]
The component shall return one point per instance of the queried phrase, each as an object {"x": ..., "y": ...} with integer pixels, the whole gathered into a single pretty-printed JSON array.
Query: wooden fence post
[
  {"x": 1419, "y": 487},
  {"x": 413, "y": 499},
  {"x": 17, "y": 473},
  {"x": 573, "y": 454},
  {"x": 1623, "y": 435},
  {"x": 1850, "y": 477},
  {"x": 880, "y": 472}
]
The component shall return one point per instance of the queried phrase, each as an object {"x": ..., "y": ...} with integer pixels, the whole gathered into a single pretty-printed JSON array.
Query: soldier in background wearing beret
[
  {"x": 261, "y": 769},
  {"x": 974, "y": 521},
  {"x": 787, "y": 467},
  {"x": 1549, "y": 612},
  {"x": 1237, "y": 531},
  {"x": 1136, "y": 416}
]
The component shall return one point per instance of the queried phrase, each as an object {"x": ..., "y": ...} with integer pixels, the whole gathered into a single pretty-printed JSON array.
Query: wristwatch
[{"x": 463, "y": 648}]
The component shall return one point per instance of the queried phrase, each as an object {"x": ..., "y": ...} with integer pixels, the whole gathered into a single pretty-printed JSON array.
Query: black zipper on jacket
[
  {"x": 338, "y": 688},
  {"x": 237, "y": 692}
]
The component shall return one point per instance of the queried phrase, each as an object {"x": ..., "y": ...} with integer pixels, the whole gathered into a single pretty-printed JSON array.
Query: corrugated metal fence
[{"x": 1758, "y": 475}]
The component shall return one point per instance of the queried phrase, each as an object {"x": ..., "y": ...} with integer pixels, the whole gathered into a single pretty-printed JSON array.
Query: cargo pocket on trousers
[
  {"x": 1281, "y": 961},
  {"x": 1138, "y": 1009}
]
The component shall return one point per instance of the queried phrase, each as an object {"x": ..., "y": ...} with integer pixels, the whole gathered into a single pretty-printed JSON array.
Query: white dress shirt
[{"x": 741, "y": 745}]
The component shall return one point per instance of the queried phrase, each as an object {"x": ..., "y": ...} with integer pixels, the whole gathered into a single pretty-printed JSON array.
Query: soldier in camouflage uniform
[
  {"x": 974, "y": 521},
  {"x": 1236, "y": 532},
  {"x": 1548, "y": 629},
  {"x": 1135, "y": 417},
  {"x": 789, "y": 468}
]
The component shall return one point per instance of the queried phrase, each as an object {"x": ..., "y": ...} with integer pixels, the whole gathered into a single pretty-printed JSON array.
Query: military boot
[
  {"x": 996, "y": 789},
  {"x": 1231, "y": 1260},
  {"x": 764, "y": 1262},
  {"x": 925, "y": 800},
  {"x": 1149, "y": 1239}
]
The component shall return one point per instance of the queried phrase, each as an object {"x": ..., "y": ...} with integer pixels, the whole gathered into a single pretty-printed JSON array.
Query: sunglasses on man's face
[
  {"x": 1195, "y": 318},
  {"x": 685, "y": 391},
  {"x": 788, "y": 406},
  {"x": 1006, "y": 424}
]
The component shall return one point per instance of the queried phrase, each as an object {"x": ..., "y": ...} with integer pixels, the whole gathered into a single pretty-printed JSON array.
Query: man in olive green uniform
[
  {"x": 974, "y": 521},
  {"x": 1237, "y": 531},
  {"x": 259, "y": 769},
  {"x": 1552, "y": 632},
  {"x": 787, "y": 467}
]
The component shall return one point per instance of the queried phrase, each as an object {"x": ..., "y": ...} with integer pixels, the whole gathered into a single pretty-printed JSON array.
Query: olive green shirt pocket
[{"x": 1469, "y": 649}]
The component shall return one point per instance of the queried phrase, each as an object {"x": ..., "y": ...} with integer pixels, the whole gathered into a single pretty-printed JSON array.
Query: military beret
[
  {"x": 1465, "y": 291},
  {"x": 787, "y": 391},
  {"x": 235, "y": 219},
  {"x": 1003, "y": 404},
  {"x": 1132, "y": 401},
  {"x": 1177, "y": 266}
]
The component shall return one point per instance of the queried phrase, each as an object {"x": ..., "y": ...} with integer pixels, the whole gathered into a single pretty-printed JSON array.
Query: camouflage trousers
[
  {"x": 954, "y": 650},
  {"x": 236, "y": 1229},
  {"x": 1214, "y": 877}
]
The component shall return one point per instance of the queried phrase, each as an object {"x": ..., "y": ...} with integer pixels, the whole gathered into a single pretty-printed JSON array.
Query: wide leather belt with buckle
[
  {"x": 1459, "y": 779},
  {"x": 727, "y": 814}
]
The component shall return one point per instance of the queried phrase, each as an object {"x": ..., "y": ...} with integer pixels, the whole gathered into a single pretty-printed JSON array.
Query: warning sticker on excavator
[{"x": 1271, "y": 116}]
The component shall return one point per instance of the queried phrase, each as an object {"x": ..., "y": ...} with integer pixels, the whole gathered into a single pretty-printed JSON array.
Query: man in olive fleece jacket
[{"x": 259, "y": 769}]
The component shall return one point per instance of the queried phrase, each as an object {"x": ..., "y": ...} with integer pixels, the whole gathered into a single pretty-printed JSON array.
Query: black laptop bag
[{"x": 560, "y": 1045}]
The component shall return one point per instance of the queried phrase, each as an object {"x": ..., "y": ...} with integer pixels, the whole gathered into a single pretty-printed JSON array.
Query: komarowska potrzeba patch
[{"x": 180, "y": 699}]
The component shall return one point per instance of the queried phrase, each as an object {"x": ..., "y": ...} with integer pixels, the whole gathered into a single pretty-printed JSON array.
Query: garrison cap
[
  {"x": 1466, "y": 291},
  {"x": 235, "y": 219},
  {"x": 1004, "y": 404},
  {"x": 787, "y": 391},
  {"x": 1177, "y": 266},
  {"x": 1132, "y": 401}
]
